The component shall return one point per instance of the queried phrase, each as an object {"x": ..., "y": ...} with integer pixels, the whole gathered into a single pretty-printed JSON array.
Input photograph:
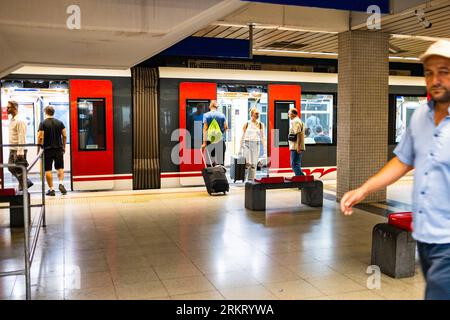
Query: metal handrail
[
  {"x": 35, "y": 160},
  {"x": 29, "y": 249}
]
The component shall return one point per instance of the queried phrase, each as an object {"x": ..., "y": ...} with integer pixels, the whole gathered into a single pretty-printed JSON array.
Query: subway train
[
  {"x": 184, "y": 93},
  {"x": 97, "y": 108}
]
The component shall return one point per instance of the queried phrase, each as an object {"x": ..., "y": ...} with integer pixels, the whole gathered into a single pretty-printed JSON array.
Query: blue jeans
[
  {"x": 435, "y": 261},
  {"x": 296, "y": 162}
]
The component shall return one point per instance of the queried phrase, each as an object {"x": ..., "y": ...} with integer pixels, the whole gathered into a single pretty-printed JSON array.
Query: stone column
[{"x": 362, "y": 113}]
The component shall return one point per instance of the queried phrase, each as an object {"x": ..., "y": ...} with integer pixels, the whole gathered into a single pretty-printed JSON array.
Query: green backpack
[{"x": 214, "y": 132}]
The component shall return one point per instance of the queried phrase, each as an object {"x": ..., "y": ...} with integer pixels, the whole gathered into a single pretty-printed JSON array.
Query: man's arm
[
  {"x": 300, "y": 137},
  {"x": 391, "y": 172},
  {"x": 64, "y": 138},
  {"x": 22, "y": 134},
  {"x": 40, "y": 139},
  {"x": 205, "y": 135}
]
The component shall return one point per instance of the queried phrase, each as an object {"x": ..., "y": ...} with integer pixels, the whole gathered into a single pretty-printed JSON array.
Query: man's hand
[
  {"x": 352, "y": 198},
  {"x": 299, "y": 151},
  {"x": 203, "y": 146},
  {"x": 391, "y": 172}
]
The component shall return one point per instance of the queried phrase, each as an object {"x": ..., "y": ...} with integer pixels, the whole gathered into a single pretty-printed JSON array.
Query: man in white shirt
[
  {"x": 297, "y": 146},
  {"x": 17, "y": 135}
]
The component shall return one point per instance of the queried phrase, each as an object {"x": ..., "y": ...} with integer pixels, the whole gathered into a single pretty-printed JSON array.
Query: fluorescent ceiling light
[
  {"x": 269, "y": 27},
  {"x": 305, "y": 30},
  {"x": 297, "y": 52},
  {"x": 324, "y": 53},
  {"x": 412, "y": 37},
  {"x": 404, "y": 58}
]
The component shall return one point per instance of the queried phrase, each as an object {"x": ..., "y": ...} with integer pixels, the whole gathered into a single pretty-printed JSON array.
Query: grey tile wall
[{"x": 363, "y": 91}]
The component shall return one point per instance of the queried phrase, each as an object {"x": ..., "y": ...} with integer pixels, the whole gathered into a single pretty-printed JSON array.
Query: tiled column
[{"x": 363, "y": 93}]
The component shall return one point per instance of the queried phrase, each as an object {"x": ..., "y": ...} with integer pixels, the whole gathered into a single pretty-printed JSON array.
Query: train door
[
  {"x": 32, "y": 97},
  {"x": 236, "y": 102},
  {"x": 281, "y": 99},
  {"x": 194, "y": 102},
  {"x": 92, "y": 134}
]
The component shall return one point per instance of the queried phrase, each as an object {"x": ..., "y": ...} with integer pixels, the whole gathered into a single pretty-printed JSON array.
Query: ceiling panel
[{"x": 401, "y": 24}]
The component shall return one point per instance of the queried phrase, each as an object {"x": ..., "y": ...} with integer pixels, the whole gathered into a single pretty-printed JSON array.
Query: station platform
[{"x": 184, "y": 244}]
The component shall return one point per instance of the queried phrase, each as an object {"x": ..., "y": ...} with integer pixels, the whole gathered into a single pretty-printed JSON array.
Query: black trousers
[
  {"x": 17, "y": 172},
  {"x": 216, "y": 152}
]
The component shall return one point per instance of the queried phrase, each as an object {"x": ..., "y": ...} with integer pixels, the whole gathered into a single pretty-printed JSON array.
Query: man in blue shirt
[
  {"x": 320, "y": 137},
  {"x": 215, "y": 147},
  {"x": 425, "y": 147}
]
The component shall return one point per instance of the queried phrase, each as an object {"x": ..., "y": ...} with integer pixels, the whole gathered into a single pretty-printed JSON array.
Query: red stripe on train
[{"x": 102, "y": 178}]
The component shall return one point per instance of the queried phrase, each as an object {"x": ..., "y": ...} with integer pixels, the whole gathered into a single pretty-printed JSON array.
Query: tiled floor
[{"x": 192, "y": 246}]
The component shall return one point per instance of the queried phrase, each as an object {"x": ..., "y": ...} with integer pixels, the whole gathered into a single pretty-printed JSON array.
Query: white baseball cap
[{"x": 439, "y": 48}]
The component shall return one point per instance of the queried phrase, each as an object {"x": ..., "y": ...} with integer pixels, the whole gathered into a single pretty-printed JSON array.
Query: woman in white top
[{"x": 252, "y": 137}]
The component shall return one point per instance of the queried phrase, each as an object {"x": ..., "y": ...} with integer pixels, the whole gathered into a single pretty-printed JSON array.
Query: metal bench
[
  {"x": 311, "y": 191},
  {"x": 393, "y": 247}
]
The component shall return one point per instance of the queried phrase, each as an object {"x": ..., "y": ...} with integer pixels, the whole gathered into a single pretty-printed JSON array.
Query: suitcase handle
[{"x": 209, "y": 157}]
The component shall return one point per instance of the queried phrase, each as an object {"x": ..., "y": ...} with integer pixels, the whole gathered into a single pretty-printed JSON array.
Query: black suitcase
[
  {"x": 215, "y": 179},
  {"x": 237, "y": 169}
]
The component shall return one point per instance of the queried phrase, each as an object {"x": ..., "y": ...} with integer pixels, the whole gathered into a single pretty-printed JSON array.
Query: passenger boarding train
[{"x": 96, "y": 107}]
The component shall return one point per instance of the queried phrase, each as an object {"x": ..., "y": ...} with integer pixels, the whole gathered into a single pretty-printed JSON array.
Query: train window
[
  {"x": 194, "y": 120},
  {"x": 317, "y": 115},
  {"x": 405, "y": 107},
  {"x": 282, "y": 121},
  {"x": 91, "y": 124}
]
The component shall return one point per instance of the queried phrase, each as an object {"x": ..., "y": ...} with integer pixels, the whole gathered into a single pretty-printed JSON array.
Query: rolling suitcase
[
  {"x": 215, "y": 178},
  {"x": 237, "y": 169}
]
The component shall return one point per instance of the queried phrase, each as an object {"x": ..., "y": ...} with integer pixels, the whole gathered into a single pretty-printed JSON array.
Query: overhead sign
[{"x": 350, "y": 5}]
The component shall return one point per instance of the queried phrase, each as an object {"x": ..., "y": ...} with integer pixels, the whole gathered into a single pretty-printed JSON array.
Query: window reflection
[
  {"x": 282, "y": 121},
  {"x": 317, "y": 115},
  {"x": 405, "y": 109},
  {"x": 194, "y": 120},
  {"x": 91, "y": 124}
]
